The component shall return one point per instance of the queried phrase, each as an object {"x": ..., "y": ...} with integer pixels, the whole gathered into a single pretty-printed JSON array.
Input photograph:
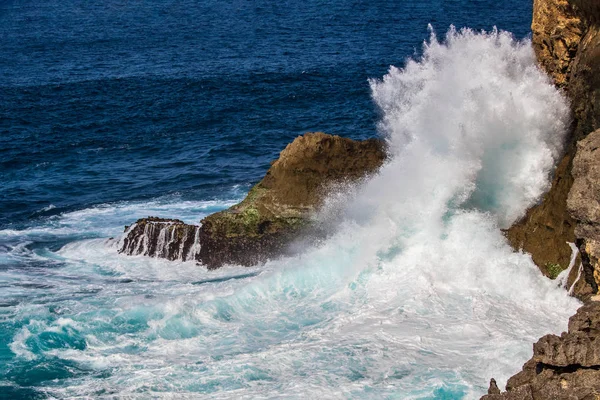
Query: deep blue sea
[{"x": 115, "y": 110}]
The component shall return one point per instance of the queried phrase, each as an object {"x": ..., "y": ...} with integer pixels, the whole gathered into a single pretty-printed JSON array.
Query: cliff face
[
  {"x": 557, "y": 30},
  {"x": 566, "y": 39},
  {"x": 275, "y": 212},
  {"x": 584, "y": 204}
]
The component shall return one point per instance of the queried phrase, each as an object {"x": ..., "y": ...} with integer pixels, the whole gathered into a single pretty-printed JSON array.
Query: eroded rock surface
[
  {"x": 557, "y": 30},
  {"x": 584, "y": 205},
  {"x": 276, "y": 212},
  {"x": 562, "y": 367},
  {"x": 159, "y": 237},
  {"x": 566, "y": 39},
  {"x": 278, "y": 209}
]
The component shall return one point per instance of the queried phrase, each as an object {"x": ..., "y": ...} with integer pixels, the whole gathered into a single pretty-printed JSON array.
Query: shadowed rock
[
  {"x": 276, "y": 212},
  {"x": 584, "y": 205},
  {"x": 566, "y": 39},
  {"x": 159, "y": 237},
  {"x": 562, "y": 367}
]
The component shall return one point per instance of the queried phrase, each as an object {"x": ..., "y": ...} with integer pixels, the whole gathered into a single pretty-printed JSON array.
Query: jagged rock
[
  {"x": 584, "y": 205},
  {"x": 567, "y": 42},
  {"x": 584, "y": 197},
  {"x": 278, "y": 209},
  {"x": 275, "y": 212},
  {"x": 547, "y": 227},
  {"x": 493, "y": 389},
  {"x": 562, "y": 367},
  {"x": 159, "y": 237},
  {"x": 557, "y": 31}
]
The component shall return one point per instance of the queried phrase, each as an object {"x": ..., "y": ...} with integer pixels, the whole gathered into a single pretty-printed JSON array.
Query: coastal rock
[
  {"x": 566, "y": 39},
  {"x": 557, "y": 30},
  {"x": 562, "y": 367},
  {"x": 584, "y": 205},
  {"x": 163, "y": 238},
  {"x": 276, "y": 212}
]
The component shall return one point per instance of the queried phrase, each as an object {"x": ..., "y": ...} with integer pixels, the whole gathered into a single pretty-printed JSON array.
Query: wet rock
[
  {"x": 584, "y": 197},
  {"x": 566, "y": 39},
  {"x": 562, "y": 367},
  {"x": 163, "y": 238},
  {"x": 584, "y": 205},
  {"x": 278, "y": 209},
  {"x": 276, "y": 212}
]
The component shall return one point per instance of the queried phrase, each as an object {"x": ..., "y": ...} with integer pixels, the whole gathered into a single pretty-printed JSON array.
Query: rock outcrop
[
  {"x": 557, "y": 30},
  {"x": 277, "y": 211},
  {"x": 163, "y": 238},
  {"x": 562, "y": 367},
  {"x": 584, "y": 205},
  {"x": 566, "y": 39}
]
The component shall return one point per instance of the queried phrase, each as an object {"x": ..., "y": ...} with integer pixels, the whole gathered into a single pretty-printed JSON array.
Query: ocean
[{"x": 116, "y": 110}]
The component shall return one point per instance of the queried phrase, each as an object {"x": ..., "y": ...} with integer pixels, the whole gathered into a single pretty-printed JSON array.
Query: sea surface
[{"x": 115, "y": 110}]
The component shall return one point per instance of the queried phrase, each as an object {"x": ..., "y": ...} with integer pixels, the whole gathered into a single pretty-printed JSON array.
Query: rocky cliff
[
  {"x": 276, "y": 212},
  {"x": 566, "y": 39}
]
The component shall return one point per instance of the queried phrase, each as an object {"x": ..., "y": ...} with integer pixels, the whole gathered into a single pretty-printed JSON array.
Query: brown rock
[
  {"x": 547, "y": 227},
  {"x": 562, "y": 367},
  {"x": 584, "y": 197},
  {"x": 566, "y": 38},
  {"x": 557, "y": 31},
  {"x": 276, "y": 212},
  {"x": 493, "y": 389},
  {"x": 584, "y": 205},
  {"x": 159, "y": 237},
  {"x": 278, "y": 209}
]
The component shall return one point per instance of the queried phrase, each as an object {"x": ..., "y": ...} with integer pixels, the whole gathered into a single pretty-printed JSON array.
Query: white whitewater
[{"x": 417, "y": 295}]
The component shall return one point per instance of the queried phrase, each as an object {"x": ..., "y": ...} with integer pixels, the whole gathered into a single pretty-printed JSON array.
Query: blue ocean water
[{"x": 115, "y": 110}]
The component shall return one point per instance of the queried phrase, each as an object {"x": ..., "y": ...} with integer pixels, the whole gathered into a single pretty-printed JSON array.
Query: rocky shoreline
[{"x": 562, "y": 367}]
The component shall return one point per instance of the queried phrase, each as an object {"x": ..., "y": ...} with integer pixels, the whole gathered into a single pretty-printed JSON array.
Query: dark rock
[
  {"x": 159, "y": 237},
  {"x": 276, "y": 212},
  {"x": 584, "y": 205},
  {"x": 562, "y": 367}
]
